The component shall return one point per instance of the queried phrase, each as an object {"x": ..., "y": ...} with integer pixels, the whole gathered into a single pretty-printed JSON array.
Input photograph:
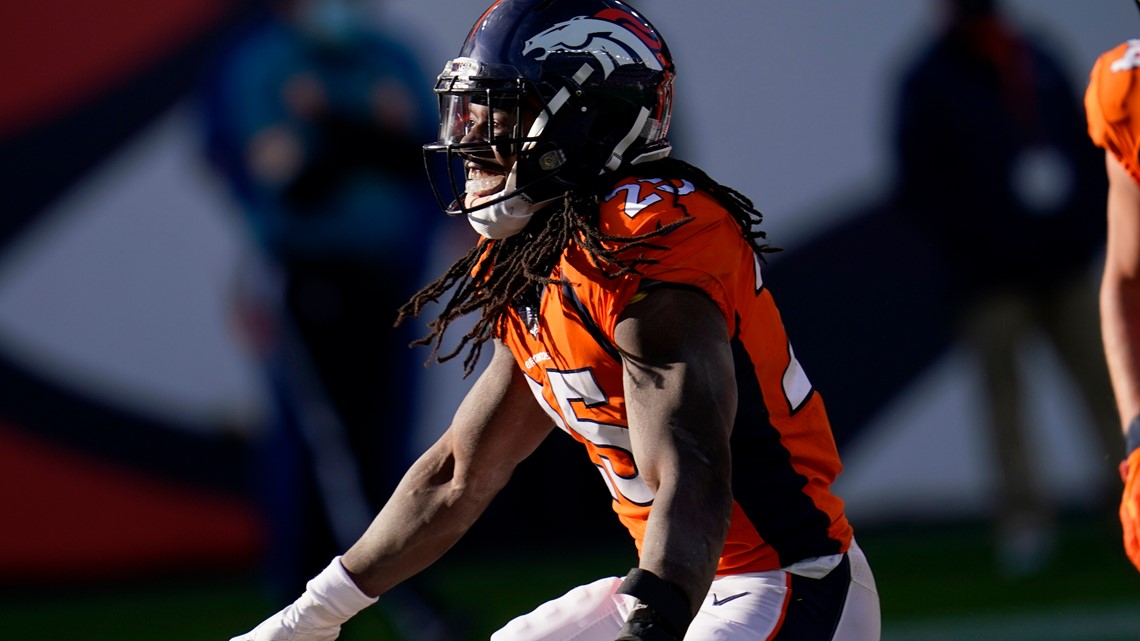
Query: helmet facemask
[{"x": 490, "y": 121}]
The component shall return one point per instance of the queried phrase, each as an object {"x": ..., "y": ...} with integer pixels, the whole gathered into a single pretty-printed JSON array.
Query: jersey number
[
  {"x": 634, "y": 202},
  {"x": 611, "y": 442},
  {"x": 1130, "y": 59}
]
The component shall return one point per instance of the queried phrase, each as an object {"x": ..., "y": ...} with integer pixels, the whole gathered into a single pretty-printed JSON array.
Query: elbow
[
  {"x": 479, "y": 488},
  {"x": 1119, "y": 296},
  {"x": 464, "y": 487}
]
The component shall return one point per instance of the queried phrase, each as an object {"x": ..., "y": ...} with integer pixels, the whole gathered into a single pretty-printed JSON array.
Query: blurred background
[{"x": 212, "y": 210}]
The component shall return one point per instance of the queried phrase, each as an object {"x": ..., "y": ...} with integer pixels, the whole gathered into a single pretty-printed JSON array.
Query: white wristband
[{"x": 332, "y": 596}]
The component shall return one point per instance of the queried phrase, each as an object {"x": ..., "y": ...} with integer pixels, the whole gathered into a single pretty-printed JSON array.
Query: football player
[
  {"x": 1112, "y": 102},
  {"x": 623, "y": 295}
]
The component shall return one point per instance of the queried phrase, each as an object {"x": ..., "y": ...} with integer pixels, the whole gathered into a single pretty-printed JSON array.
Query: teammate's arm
[
  {"x": 498, "y": 424},
  {"x": 1120, "y": 327},
  {"x": 1120, "y": 289},
  {"x": 681, "y": 402}
]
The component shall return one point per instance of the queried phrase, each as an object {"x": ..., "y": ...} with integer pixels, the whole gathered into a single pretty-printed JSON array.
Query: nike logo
[{"x": 726, "y": 599}]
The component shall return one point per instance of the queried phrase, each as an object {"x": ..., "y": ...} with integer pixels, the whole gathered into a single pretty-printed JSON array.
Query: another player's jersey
[
  {"x": 1112, "y": 96},
  {"x": 784, "y": 458}
]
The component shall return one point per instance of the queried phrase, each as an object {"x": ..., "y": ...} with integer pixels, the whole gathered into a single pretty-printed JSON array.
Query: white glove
[{"x": 330, "y": 599}]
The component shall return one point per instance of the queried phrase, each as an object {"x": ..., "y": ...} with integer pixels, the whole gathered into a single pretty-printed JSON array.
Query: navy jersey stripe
[
  {"x": 588, "y": 322},
  {"x": 764, "y": 483},
  {"x": 816, "y": 605}
]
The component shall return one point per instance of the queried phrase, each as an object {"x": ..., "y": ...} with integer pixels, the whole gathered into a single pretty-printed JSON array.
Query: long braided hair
[{"x": 498, "y": 274}]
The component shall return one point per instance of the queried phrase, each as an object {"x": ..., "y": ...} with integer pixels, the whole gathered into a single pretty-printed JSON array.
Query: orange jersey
[
  {"x": 784, "y": 458},
  {"x": 1112, "y": 104}
]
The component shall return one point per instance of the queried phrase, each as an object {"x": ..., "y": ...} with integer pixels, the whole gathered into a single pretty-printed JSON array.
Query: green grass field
[{"x": 936, "y": 583}]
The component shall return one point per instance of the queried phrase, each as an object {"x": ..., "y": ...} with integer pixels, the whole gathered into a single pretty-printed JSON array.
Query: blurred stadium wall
[{"x": 126, "y": 404}]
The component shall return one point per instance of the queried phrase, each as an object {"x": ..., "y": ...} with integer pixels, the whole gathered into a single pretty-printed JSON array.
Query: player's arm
[
  {"x": 498, "y": 424},
  {"x": 1120, "y": 290},
  {"x": 1120, "y": 327},
  {"x": 681, "y": 402}
]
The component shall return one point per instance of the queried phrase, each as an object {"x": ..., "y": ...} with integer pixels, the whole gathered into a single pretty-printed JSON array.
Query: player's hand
[
  {"x": 1130, "y": 506},
  {"x": 329, "y": 600}
]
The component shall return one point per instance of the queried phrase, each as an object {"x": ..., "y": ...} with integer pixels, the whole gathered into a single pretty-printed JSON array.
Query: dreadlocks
[{"x": 498, "y": 274}]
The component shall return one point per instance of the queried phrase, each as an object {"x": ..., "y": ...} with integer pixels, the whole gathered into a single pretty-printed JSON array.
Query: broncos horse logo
[{"x": 611, "y": 44}]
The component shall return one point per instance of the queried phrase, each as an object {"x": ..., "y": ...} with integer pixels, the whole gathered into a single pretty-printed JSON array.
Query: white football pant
[{"x": 779, "y": 605}]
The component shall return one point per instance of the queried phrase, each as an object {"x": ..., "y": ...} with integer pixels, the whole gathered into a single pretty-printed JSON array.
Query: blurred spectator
[
  {"x": 994, "y": 165},
  {"x": 316, "y": 121}
]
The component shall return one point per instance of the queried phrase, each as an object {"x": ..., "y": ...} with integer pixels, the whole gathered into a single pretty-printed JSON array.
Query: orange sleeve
[
  {"x": 1112, "y": 104},
  {"x": 705, "y": 252}
]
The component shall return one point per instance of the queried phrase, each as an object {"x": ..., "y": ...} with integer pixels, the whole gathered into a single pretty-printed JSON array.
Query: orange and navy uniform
[
  {"x": 784, "y": 458},
  {"x": 1112, "y": 104}
]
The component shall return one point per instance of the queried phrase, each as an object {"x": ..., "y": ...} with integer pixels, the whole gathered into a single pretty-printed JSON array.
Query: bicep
[{"x": 498, "y": 424}]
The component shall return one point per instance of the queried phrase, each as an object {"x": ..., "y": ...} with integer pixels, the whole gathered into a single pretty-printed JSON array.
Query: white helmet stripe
[
  {"x": 615, "y": 156},
  {"x": 583, "y": 73},
  {"x": 539, "y": 125},
  {"x": 556, "y": 103}
]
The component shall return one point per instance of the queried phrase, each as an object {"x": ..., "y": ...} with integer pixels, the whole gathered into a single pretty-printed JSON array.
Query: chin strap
[
  {"x": 504, "y": 218},
  {"x": 508, "y": 216}
]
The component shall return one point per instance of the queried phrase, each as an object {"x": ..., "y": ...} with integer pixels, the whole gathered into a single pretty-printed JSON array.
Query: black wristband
[
  {"x": 1132, "y": 437},
  {"x": 666, "y": 599},
  {"x": 645, "y": 624}
]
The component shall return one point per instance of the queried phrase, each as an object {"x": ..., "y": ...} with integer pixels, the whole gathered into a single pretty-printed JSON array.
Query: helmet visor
[
  {"x": 481, "y": 127},
  {"x": 478, "y": 103},
  {"x": 472, "y": 121}
]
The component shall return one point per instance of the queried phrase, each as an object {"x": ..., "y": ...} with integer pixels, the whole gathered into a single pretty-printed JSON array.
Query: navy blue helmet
[{"x": 584, "y": 87}]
